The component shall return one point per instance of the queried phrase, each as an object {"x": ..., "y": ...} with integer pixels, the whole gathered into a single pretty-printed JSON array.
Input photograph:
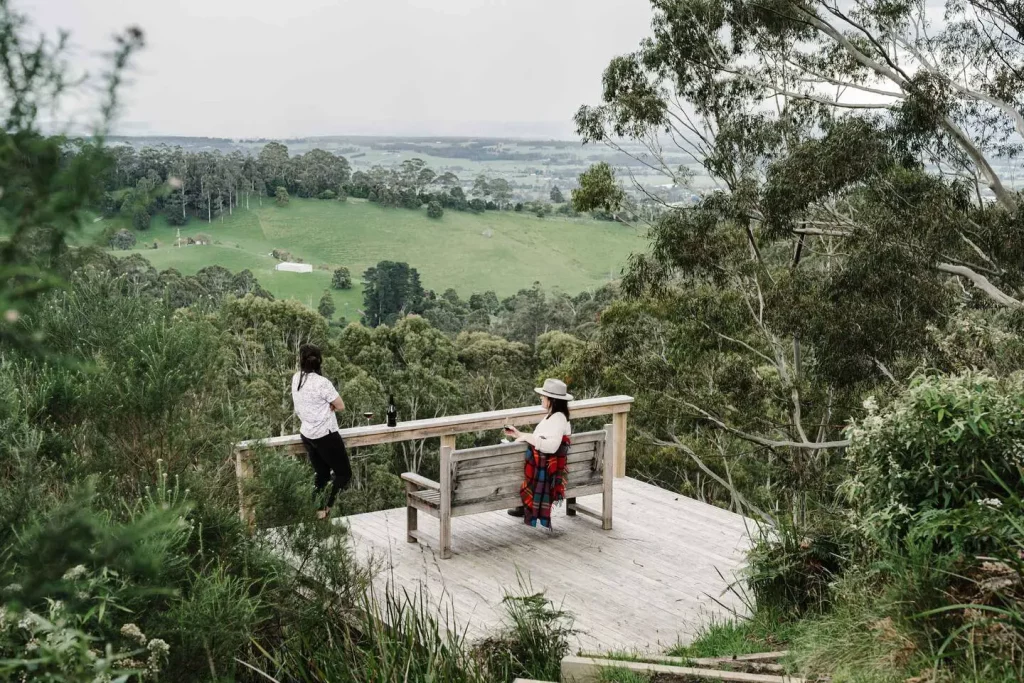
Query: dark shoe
[{"x": 517, "y": 512}]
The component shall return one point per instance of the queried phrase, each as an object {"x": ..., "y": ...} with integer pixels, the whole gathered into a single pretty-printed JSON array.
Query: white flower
[
  {"x": 134, "y": 632},
  {"x": 75, "y": 573},
  {"x": 12, "y": 588},
  {"x": 871, "y": 404},
  {"x": 32, "y": 645},
  {"x": 158, "y": 651},
  {"x": 992, "y": 502}
]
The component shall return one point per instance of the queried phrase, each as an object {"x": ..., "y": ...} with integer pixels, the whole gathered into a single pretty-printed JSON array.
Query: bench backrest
[{"x": 489, "y": 477}]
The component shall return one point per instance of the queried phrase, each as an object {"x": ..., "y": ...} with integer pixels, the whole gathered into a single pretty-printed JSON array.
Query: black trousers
[{"x": 330, "y": 462}]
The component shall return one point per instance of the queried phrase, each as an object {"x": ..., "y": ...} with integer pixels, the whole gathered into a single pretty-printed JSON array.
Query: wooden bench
[{"x": 486, "y": 479}]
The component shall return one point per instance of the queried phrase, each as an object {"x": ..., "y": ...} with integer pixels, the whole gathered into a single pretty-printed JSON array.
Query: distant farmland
[{"x": 500, "y": 251}]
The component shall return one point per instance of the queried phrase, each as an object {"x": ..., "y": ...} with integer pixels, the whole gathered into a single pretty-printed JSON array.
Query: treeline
[
  {"x": 184, "y": 184},
  {"x": 479, "y": 151},
  {"x": 393, "y": 290},
  {"x": 413, "y": 184}
]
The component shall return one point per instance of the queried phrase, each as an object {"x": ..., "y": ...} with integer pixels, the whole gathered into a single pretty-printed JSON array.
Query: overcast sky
[{"x": 284, "y": 68}]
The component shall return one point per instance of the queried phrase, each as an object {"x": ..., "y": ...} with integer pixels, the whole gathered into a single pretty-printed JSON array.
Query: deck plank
[{"x": 644, "y": 586}]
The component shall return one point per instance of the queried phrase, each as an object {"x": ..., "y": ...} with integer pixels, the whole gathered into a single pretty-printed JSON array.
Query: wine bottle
[{"x": 392, "y": 412}]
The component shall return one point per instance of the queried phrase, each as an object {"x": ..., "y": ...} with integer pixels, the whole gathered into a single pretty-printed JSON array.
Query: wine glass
[{"x": 369, "y": 416}]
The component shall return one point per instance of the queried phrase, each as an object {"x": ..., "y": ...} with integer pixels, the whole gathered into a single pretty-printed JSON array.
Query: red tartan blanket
[{"x": 544, "y": 483}]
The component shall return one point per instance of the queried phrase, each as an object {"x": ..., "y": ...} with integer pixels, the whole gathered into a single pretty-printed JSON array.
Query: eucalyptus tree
[{"x": 858, "y": 149}]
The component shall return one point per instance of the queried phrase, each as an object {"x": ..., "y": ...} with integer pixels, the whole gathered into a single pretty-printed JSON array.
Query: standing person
[
  {"x": 316, "y": 400},
  {"x": 547, "y": 458}
]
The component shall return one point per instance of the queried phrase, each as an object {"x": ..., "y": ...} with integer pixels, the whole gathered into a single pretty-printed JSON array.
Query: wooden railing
[{"x": 445, "y": 428}]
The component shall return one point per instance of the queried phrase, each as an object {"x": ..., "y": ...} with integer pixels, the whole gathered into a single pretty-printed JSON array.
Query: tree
[
  {"x": 122, "y": 239},
  {"x": 556, "y": 196},
  {"x": 326, "y": 306},
  {"x": 281, "y": 196},
  {"x": 481, "y": 187},
  {"x": 598, "y": 190},
  {"x": 500, "y": 192},
  {"x": 273, "y": 165},
  {"x": 390, "y": 290},
  {"x": 434, "y": 210},
  {"x": 140, "y": 219},
  {"x": 478, "y": 205},
  {"x": 342, "y": 279}
]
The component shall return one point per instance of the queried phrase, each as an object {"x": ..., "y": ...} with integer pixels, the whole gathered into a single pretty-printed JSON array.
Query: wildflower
[
  {"x": 75, "y": 573},
  {"x": 12, "y": 588},
  {"x": 871, "y": 404},
  {"x": 158, "y": 651},
  {"x": 133, "y": 664},
  {"x": 32, "y": 645},
  {"x": 134, "y": 632}
]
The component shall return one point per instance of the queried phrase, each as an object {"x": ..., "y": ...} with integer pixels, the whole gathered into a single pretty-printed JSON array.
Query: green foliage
[
  {"x": 141, "y": 219},
  {"x": 326, "y": 306},
  {"x": 534, "y": 641},
  {"x": 281, "y": 196},
  {"x": 327, "y": 195},
  {"x": 556, "y": 196},
  {"x": 944, "y": 445},
  {"x": 390, "y": 289},
  {"x": 598, "y": 189},
  {"x": 122, "y": 239},
  {"x": 434, "y": 210},
  {"x": 342, "y": 278}
]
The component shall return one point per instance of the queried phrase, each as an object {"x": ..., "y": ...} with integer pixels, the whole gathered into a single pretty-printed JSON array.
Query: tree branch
[
  {"x": 982, "y": 283},
  {"x": 677, "y": 444},
  {"x": 769, "y": 443}
]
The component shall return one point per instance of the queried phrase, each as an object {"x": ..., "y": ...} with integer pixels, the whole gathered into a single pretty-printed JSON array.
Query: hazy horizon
[{"x": 317, "y": 68}]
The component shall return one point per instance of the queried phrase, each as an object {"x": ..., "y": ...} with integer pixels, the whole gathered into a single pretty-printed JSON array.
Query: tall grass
[{"x": 400, "y": 636}]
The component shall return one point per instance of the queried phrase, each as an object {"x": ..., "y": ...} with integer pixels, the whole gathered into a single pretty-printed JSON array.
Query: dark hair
[
  {"x": 309, "y": 361},
  {"x": 559, "y": 405}
]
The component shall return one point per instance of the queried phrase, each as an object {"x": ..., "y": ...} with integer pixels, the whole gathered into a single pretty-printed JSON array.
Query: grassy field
[{"x": 500, "y": 251}]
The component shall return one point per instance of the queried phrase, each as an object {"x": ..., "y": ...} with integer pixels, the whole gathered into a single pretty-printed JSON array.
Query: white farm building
[{"x": 295, "y": 267}]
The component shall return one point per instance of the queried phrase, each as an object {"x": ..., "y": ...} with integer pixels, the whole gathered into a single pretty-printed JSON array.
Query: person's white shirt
[
  {"x": 313, "y": 405},
  {"x": 547, "y": 437}
]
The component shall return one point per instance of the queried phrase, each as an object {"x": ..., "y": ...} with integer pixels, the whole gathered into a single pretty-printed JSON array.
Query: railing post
[
  {"x": 445, "y": 511},
  {"x": 607, "y": 476},
  {"x": 243, "y": 474},
  {"x": 619, "y": 447}
]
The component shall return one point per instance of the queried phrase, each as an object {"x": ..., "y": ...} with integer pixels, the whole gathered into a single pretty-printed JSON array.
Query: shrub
[
  {"x": 945, "y": 444},
  {"x": 328, "y": 195},
  {"x": 141, "y": 219},
  {"x": 281, "y": 196},
  {"x": 123, "y": 239},
  {"x": 342, "y": 278},
  {"x": 533, "y": 642},
  {"x": 326, "y": 307},
  {"x": 434, "y": 210}
]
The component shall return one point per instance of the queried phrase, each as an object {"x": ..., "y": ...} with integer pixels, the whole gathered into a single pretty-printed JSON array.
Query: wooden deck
[{"x": 644, "y": 586}]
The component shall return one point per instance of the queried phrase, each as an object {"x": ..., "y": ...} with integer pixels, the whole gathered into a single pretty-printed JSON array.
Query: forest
[
  {"x": 830, "y": 345},
  {"x": 184, "y": 184}
]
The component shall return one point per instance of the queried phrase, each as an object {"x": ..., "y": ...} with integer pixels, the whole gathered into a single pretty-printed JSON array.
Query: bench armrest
[{"x": 422, "y": 482}]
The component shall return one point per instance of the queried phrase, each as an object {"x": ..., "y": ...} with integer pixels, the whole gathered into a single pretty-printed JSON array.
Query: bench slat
[
  {"x": 505, "y": 448},
  {"x": 515, "y": 473},
  {"x": 575, "y": 454},
  {"x": 511, "y": 487},
  {"x": 490, "y": 505}
]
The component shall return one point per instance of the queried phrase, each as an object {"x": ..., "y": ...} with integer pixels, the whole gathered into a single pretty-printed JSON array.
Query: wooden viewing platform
[
  {"x": 644, "y": 586},
  {"x": 645, "y": 583}
]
